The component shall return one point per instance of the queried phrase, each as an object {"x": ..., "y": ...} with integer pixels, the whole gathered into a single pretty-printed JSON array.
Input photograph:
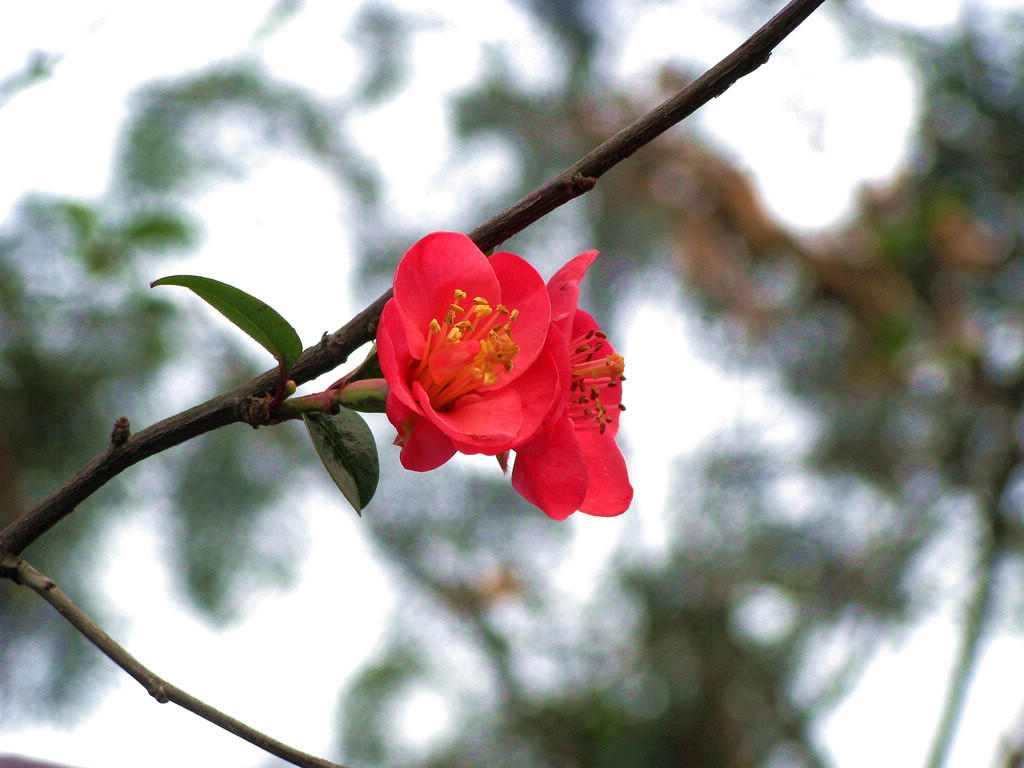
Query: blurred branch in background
[
  {"x": 335, "y": 349},
  {"x": 145, "y": 177},
  {"x": 38, "y": 67},
  {"x": 978, "y": 617},
  {"x": 899, "y": 335},
  {"x": 893, "y": 339}
]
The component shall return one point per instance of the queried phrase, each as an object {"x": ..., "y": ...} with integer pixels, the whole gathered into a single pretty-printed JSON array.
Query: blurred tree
[
  {"x": 899, "y": 334},
  {"x": 78, "y": 325}
]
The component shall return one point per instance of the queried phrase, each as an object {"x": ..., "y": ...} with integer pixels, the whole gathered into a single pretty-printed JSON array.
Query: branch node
[
  {"x": 159, "y": 692},
  {"x": 584, "y": 183},
  {"x": 255, "y": 411},
  {"x": 9, "y": 568},
  {"x": 121, "y": 432}
]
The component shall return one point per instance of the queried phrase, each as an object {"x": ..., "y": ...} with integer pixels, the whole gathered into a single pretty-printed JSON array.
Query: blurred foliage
[
  {"x": 68, "y": 292},
  {"x": 185, "y": 129},
  {"x": 83, "y": 340},
  {"x": 39, "y": 66},
  {"x": 898, "y": 336}
]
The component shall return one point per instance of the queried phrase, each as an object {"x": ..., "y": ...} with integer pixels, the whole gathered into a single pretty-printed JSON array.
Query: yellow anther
[
  {"x": 482, "y": 310},
  {"x": 514, "y": 315},
  {"x": 456, "y": 308},
  {"x": 435, "y": 327},
  {"x": 464, "y": 326},
  {"x": 480, "y": 300},
  {"x": 455, "y": 334},
  {"x": 449, "y": 318},
  {"x": 460, "y": 294},
  {"x": 502, "y": 309}
]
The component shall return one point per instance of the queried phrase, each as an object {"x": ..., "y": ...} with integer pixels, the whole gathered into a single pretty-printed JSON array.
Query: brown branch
[
  {"x": 24, "y": 573},
  {"x": 220, "y": 411},
  {"x": 582, "y": 177},
  {"x": 335, "y": 349}
]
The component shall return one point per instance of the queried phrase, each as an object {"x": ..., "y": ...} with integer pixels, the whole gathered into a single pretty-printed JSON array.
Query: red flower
[
  {"x": 463, "y": 345},
  {"x": 574, "y": 463}
]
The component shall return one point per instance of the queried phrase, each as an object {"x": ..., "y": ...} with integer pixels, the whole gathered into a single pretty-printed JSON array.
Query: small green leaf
[
  {"x": 347, "y": 448},
  {"x": 250, "y": 314}
]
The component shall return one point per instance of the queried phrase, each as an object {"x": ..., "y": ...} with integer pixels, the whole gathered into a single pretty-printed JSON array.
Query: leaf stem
[
  {"x": 328, "y": 401},
  {"x": 282, "y": 387}
]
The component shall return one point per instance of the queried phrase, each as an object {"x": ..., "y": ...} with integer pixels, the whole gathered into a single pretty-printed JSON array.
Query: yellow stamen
[{"x": 446, "y": 380}]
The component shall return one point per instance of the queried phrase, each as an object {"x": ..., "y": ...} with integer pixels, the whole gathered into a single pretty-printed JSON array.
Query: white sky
[{"x": 825, "y": 122}]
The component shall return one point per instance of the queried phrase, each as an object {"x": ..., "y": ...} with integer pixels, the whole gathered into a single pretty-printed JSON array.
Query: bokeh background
[{"x": 817, "y": 285}]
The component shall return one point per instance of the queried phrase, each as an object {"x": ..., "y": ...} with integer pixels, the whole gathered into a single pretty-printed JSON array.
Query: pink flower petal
[
  {"x": 564, "y": 290},
  {"x": 544, "y": 388},
  {"x": 609, "y": 492},
  {"x": 393, "y": 354},
  {"x": 428, "y": 275},
  {"x": 523, "y": 288},
  {"x": 554, "y": 479},
  {"x": 424, "y": 446},
  {"x": 477, "y": 424}
]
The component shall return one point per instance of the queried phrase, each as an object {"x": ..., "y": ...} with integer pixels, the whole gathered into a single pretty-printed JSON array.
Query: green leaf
[
  {"x": 346, "y": 446},
  {"x": 253, "y": 316}
]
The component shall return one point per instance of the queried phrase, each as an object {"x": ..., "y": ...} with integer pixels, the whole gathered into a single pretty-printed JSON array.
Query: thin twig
[
  {"x": 24, "y": 573},
  {"x": 125, "y": 449},
  {"x": 583, "y": 175},
  {"x": 218, "y": 412},
  {"x": 335, "y": 349}
]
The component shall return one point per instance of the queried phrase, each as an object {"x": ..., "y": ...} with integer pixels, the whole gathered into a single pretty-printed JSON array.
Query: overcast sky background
[{"x": 826, "y": 123}]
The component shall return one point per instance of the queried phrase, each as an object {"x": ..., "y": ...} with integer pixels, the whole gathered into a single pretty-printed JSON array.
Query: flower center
[
  {"x": 470, "y": 348},
  {"x": 592, "y": 374}
]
